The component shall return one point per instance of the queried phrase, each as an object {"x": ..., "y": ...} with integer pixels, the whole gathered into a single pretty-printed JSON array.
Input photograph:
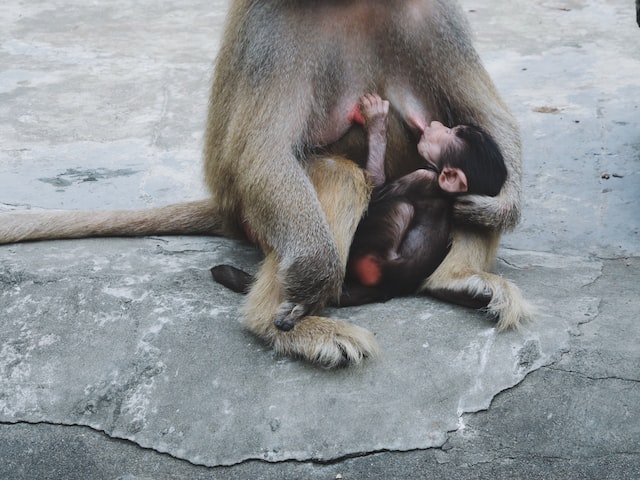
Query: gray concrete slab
[
  {"x": 119, "y": 358},
  {"x": 94, "y": 334}
]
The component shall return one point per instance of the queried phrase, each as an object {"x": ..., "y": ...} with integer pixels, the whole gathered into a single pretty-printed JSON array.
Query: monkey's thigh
[
  {"x": 343, "y": 191},
  {"x": 463, "y": 278}
]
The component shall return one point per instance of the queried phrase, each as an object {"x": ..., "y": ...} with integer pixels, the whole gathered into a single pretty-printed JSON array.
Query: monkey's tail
[{"x": 190, "y": 218}]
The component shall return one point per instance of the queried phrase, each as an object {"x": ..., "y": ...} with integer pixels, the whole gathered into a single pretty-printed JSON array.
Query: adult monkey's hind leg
[
  {"x": 463, "y": 278},
  {"x": 343, "y": 191}
]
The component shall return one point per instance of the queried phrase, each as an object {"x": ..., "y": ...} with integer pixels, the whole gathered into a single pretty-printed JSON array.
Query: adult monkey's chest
[{"x": 340, "y": 50}]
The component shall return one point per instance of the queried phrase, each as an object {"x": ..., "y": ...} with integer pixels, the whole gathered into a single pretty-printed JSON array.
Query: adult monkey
[{"x": 288, "y": 78}]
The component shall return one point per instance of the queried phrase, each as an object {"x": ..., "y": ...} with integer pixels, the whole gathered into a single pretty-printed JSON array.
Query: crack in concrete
[
  {"x": 592, "y": 282},
  {"x": 106, "y": 435},
  {"x": 615, "y": 258},
  {"x": 15, "y": 206},
  {"x": 591, "y": 377},
  {"x": 508, "y": 263},
  {"x": 447, "y": 451},
  {"x": 313, "y": 461}
]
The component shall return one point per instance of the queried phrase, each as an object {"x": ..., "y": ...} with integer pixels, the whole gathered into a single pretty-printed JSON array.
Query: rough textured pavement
[{"x": 120, "y": 359}]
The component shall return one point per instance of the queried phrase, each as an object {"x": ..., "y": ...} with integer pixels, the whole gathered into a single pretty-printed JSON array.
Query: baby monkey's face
[{"x": 435, "y": 139}]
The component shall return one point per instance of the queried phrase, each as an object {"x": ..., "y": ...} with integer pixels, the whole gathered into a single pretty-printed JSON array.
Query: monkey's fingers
[
  {"x": 289, "y": 314},
  {"x": 373, "y": 107}
]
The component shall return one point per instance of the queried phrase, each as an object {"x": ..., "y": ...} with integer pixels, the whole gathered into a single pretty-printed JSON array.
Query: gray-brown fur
[{"x": 286, "y": 73}]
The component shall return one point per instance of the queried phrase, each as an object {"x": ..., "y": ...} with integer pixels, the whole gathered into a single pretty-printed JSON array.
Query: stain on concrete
[
  {"x": 528, "y": 355},
  {"x": 74, "y": 176}
]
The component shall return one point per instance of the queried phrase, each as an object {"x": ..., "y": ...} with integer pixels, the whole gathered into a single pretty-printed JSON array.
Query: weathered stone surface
[{"x": 133, "y": 338}]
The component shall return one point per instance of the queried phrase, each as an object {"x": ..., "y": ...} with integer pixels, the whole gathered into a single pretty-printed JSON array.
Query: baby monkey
[{"x": 405, "y": 233}]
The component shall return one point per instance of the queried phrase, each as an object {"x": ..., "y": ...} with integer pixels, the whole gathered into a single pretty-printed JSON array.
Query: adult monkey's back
[{"x": 288, "y": 78}]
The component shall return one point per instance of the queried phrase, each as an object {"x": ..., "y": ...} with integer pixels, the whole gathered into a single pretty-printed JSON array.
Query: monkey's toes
[{"x": 327, "y": 342}]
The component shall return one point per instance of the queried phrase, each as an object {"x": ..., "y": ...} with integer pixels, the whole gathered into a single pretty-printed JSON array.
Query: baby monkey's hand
[{"x": 374, "y": 110}]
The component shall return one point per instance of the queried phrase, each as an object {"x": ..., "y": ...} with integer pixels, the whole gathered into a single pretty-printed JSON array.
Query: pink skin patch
[
  {"x": 367, "y": 270},
  {"x": 355, "y": 116}
]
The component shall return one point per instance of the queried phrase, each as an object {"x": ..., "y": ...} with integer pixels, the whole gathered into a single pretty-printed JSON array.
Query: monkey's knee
[{"x": 313, "y": 279}]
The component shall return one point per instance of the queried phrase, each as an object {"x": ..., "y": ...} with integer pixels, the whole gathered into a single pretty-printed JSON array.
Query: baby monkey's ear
[{"x": 453, "y": 180}]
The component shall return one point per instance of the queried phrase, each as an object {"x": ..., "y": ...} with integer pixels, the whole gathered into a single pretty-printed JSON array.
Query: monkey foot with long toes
[
  {"x": 472, "y": 286},
  {"x": 327, "y": 342},
  {"x": 324, "y": 341}
]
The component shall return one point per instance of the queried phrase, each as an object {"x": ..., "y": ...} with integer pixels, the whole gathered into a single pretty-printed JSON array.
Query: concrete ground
[{"x": 120, "y": 359}]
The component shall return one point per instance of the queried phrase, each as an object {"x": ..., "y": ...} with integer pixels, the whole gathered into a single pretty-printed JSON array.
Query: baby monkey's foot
[{"x": 374, "y": 110}]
